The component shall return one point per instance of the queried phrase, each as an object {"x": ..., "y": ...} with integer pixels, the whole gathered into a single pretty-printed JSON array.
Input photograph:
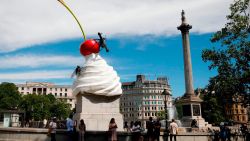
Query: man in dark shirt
[
  {"x": 157, "y": 129},
  {"x": 150, "y": 129}
]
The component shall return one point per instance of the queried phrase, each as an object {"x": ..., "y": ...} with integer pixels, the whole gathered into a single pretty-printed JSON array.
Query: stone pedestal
[
  {"x": 192, "y": 110},
  {"x": 97, "y": 111}
]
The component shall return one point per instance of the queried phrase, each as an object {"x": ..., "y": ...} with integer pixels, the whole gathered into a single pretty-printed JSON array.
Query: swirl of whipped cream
[{"x": 97, "y": 77}]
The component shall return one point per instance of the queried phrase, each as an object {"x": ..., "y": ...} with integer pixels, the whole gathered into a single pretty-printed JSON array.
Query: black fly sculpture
[
  {"x": 76, "y": 72},
  {"x": 102, "y": 44}
]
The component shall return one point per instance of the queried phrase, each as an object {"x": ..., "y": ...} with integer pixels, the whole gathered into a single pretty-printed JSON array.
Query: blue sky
[
  {"x": 149, "y": 55},
  {"x": 40, "y": 40}
]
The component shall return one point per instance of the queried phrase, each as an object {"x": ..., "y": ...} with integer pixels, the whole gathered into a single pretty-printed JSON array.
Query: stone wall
[{"x": 37, "y": 134}]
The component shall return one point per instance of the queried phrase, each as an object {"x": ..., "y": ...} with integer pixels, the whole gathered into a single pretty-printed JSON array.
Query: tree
[
  {"x": 179, "y": 110},
  {"x": 161, "y": 115},
  {"x": 232, "y": 53},
  {"x": 60, "y": 109},
  {"x": 9, "y": 96},
  {"x": 38, "y": 107},
  {"x": 212, "y": 110}
]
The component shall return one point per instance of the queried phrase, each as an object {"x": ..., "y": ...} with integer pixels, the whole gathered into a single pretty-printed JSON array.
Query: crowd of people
[
  {"x": 71, "y": 126},
  {"x": 225, "y": 133},
  {"x": 153, "y": 129}
]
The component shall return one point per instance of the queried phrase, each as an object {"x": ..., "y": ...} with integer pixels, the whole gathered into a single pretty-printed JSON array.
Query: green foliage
[
  {"x": 38, "y": 107},
  {"x": 9, "y": 96},
  {"x": 231, "y": 55},
  {"x": 161, "y": 115},
  {"x": 179, "y": 110},
  {"x": 60, "y": 109},
  {"x": 212, "y": 108}
]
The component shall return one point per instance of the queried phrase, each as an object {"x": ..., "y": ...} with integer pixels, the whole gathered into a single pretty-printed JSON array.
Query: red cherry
[{"x": 89, "y": 46}]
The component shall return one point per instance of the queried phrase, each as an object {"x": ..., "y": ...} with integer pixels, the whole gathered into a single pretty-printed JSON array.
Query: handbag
[{"x": 49, "y": 132}]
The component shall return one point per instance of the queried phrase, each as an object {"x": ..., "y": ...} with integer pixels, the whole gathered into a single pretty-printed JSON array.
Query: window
[
  {"x": 60, "y": 94},
  {"x": 60, "y": 89},
  {"x": 66, "y": 89},
  {"x": 22, "y": 88},
  {"x": 70, "y": 100},
  {"x": 65, "y": 94},
  {"x": 242, "y": 111},
  {"x": 55, "y": 94}
]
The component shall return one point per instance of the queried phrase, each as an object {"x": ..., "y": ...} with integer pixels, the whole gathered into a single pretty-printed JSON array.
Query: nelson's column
[{"x": 190, "y": 102}]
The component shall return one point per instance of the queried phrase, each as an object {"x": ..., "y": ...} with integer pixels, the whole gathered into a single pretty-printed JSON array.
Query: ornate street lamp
[{"x": 166, "y": 94}]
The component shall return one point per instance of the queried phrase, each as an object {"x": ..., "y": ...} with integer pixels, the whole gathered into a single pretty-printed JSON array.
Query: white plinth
[{"x": 97, "y": 111}]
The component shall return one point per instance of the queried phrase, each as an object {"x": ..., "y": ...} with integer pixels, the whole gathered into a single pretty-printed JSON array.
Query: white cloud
[
  {"x": 33, "y": 75},
  {"x": 30, "y": 22},
  {"x": 33, "y": 61}
]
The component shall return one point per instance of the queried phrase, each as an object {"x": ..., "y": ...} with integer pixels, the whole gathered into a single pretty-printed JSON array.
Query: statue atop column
[{"x": 183, "y": 18}]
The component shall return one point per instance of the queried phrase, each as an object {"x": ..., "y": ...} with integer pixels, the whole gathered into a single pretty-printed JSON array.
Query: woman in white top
[
  {"x": 173, "y": 130},
  {"x": 52, "y": 129}
]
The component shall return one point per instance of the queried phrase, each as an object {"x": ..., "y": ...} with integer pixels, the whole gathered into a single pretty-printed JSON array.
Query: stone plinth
[
  {"x": 192, "y": 110},
  {"x": 97, "y": 111}
]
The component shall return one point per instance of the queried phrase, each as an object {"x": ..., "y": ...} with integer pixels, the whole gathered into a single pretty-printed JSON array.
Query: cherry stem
[{"x": 64, "y": 4}]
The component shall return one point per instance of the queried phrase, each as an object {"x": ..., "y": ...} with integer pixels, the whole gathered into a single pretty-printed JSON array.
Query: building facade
[
  {"x": 62, "y": 92},
  {"x": 235, "y": 111},
  {"x": 143, "y": 98}
]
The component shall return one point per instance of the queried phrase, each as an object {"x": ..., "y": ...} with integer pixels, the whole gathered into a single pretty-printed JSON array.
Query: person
[
  {"x": 70, "y": 125},
  {"x": 223, "y": 133},
  {"x": 216, "y": 135},
  {"x": 244, "y": 132},
  {"x": 173, "y": 130},
  {"x": 136, "y": 131},
  {"x": 75, "y": 135},
  {"x": 131, "y": 125},
  {"x": 157, "y": 130},
  {"x": 44, "y": 123},
  {"x": 82, "y": 130},
  {"x": 52, "y": 129},
  {"x": 125, "y": 126},
  {"x": 228, "y": 133},
  {"x": 194, "y": 123},
  {"x": 150, "y": 129},
  {"x": 112, "y": 130},
  {"x": 27, "y": 122}
]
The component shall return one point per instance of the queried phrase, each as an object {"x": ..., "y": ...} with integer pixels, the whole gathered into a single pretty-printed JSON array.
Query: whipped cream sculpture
[{"x": 96, "y": 77}]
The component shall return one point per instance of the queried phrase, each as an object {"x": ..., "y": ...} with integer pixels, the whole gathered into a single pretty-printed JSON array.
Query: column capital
[{"x": 184, "y": 28}]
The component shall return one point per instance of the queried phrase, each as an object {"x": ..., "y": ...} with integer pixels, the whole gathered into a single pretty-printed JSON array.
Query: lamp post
[{"x": 166, "y": 94}]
